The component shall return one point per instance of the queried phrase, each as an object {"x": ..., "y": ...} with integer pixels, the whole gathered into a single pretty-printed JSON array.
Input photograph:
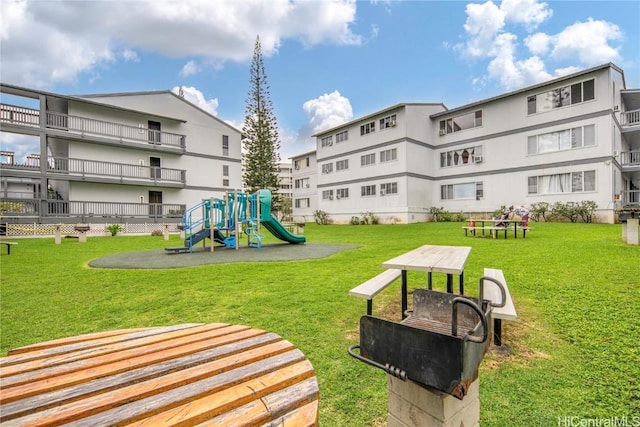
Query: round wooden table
[{"x": 196, "y": 374}]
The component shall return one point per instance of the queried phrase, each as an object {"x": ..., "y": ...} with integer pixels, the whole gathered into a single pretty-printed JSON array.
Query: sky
[{"x": 327, "y": 62}]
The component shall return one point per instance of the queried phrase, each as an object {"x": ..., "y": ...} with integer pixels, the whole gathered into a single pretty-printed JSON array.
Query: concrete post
[
  {"x": 412, "y": 405},
  {"x": 58, "y": 235},
  {"x": 82, "y": 238},
  {"x": 632, "y": 231},
  {"x": 165, "y": 232}
]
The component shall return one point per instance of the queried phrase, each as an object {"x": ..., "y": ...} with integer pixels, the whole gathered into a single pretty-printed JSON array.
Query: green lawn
[{"x": 575, "y": 346}]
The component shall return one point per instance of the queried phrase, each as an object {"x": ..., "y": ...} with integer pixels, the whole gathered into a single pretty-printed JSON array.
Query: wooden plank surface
[
  {"x": 180, "y": 375},
  {"x": 432, "y": 258}
]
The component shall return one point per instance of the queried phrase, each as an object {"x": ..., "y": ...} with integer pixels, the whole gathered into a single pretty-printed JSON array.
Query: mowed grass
[{"x": 574, "y": 348}]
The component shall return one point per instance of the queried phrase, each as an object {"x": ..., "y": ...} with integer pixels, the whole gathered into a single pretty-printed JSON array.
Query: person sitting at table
[
  {"x": 505, "y": 216},
  {"x": 523, "y": 212}
]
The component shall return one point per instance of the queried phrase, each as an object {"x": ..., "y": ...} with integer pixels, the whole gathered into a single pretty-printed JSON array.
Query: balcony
[
  {"x": 23, "y": 205},
  {"x": 82, "y": 127},
  {"x": 94, "y": 170}
]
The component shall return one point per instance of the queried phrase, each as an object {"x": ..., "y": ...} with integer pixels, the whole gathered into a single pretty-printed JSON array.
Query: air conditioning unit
[
  {"x": 616, "y": 153},
  {"x": 307, "y": 185},
  {"x": 141, "y": 162},
  {"x": 443, "y": 132},
  {"x": 382, "y": 192},
  {"x": 616, "y": 108},
  {"x": 479, "y": 159},
  {"x": 297, "y": 167},
  {"x": 338, "y": 196},
  {"x": 392, "y": 123},
  {"x": 330, "y": 197}
]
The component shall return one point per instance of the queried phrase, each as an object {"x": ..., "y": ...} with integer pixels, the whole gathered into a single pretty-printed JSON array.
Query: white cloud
[
  {"x": 197, "y": 98},
  {"x": 130, "y": 55},
  {"x": 76, "y": 37},
  {"x": 327, "y": 111},
  {"x": 189, "y": 69},
  {"x": 492, "y": 34},
  {"x": 588, "y": 42}
]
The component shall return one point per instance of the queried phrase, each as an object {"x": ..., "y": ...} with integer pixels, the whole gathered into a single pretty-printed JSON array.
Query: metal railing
[
  {"x": 631, "y": 198},
  {"x": 630, "y": 158},
  {"x": 85, "y": 126},
  {"x": 84, "y": 210},
  {"x": 630, "y": 118}
]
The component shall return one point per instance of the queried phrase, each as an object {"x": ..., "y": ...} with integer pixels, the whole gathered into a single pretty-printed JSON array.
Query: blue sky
[{"x": 327, "y": 62}]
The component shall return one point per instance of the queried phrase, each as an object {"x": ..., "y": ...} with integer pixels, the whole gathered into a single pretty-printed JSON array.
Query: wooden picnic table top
[
  {"x": 432, "y": 258},
  {"x": 216, "y": 374}
]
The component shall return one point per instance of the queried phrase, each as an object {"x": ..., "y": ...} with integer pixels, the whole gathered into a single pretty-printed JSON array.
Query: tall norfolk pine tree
[{"x": 260, "y": 134}]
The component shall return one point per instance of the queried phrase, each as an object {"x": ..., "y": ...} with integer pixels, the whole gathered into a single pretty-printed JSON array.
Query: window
[
  {"x": 465, "y": 121},
  {"x": 368, "y": 190},
  {"x": 301, "y": 183},
  {"x": 327, "y": 168},
  {"x": 388, "y": 155},
  {"x": 561, "y": 97},
  {"x": 466, "y": 191},
  {"x": 562, "y": 140},
  {"x": 155, "y": 166},
  {"x": 327, "y": 195},
  {"x": 342, "y": 193},
  {"x": 154, "y": 131},
  {"x": 225, "y": 170},
  {"x": 301, "y": 164},
  {"x": 387, "y": 122},
  {"x": 368, "y": 128},
  {"x": 327, "y": 141},
  {"x": 461, "y": 156},
  {"x": 389, "y": 188},
  {"x": 225, "y": 145},
  {"x": 368, "y": 159},
  {"x": 225, "y": 182},
  {"x": 302, "y": 203},
  {"x": 342, "y": 136},
  {"x": 572, "y": 182},
  {"x": 342, "y": 165}
]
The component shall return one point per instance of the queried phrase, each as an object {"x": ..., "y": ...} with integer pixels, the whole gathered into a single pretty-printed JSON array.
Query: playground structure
[{"x": 226, "y": 221}]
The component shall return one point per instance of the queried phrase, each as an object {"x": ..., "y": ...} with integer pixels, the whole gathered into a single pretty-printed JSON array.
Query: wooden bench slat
[
  {"x": 491, "y": 292},
  {"x": 87, "y": 404},
  {"x": 373, "y": 286}
]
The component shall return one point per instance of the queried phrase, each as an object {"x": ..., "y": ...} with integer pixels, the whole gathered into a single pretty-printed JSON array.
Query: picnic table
[
  {"x": 431, "y": 258},
  {"x": 218, "y": 374},
  {"x": 494, "y": 226}
]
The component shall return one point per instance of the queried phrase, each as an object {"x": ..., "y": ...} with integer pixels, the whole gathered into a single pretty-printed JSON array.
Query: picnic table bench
[
  {"x": 8, "y": 245},
  {"x": 495, "y": 227},
  {"x": 492, "y": 293},
  {"x": 217, "y": 374}
]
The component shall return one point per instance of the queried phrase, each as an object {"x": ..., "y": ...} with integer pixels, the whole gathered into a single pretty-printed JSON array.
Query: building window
[
  {"x": 342, "y": 193},
  {"x": 572, "y": 182},
  {"x": 327, "y": 141},
  {"x": 368, "y": 159},
  {"x": 225, "y": 170},
  {"x": 301, "y": 164},
  {"x": 461, "y": 156},
  {"x": 562, "y": 140},
  {"x": 327, "y": 168},
  {"x": 225, "y": 182},
  {"x": 327, "y": 195},
  {"x": 368, "y": 190},
  {"x": 368, "y": 128},
  {"x": 388, "y": 155},
  {"x": 387, "y": 122},
  {"x": 302, "y": 203},
  {"x": 465, "y": 121},
  {"x": 466, "y": 191},
  {"x": 301, "y": 183},
  {"x": 342, "y": 136},
  {"x": 561, "y": 97},
  {"x": 342, "y": 165},
  {"x": 389, "y": 188},
  {"x": 225, "y": 145}
]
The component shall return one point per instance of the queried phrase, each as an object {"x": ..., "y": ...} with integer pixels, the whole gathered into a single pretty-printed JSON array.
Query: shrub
[
  {"x": 460, "y": 217},
  {"x": 114, "y": 229},
  {"x": 539, "y": 210},
  {"x": 565, "y": 210},
  {"x": 435, "y": 213},
  {"x": 586, "y": 210},
  {"x": 354, "y": 220},
  {"x": 321, "y": 217},
  {"x": 157, "y": 233}
]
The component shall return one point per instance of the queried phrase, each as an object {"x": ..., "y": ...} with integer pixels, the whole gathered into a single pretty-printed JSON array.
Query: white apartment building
[
  {"x": 135, "y": 157},
  {"x": 305, "y": 184},
  {"x": 285, "y": 179},
  {"x": 571, "y": 139}
]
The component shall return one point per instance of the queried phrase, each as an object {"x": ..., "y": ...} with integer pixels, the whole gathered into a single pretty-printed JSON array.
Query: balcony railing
[
  {"x": 84, "y": 126},
  {"x": 85, "y": 210},
  {"x": 630, "y": 158},
  {"x": 630, "y": 118},
  {"x": 95, "y": 168}
]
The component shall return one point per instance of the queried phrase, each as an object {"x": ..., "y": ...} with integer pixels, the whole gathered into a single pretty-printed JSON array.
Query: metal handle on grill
[
  {"x": 389, "y": 369},
  {"x": 503, "y": 293},
  {"x": 454, "y": 320}
]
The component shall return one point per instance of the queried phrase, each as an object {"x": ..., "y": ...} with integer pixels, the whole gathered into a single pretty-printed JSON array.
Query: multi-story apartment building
[
  {"x": 285, "y": 179},
  {"x": 304, "y": 193},
  {"x": 570, "y": 139},
  {"x": 139, "y": 157}
]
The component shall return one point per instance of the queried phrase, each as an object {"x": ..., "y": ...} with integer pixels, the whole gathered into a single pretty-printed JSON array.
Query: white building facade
[
  {"x": 133, "y": 156},
  {"x": 571, "y": 139},
  {"x": 304, "y": 193}
]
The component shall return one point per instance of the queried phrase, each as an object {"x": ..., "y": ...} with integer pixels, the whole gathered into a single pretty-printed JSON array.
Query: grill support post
[{"x": 412, "y": 405}]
